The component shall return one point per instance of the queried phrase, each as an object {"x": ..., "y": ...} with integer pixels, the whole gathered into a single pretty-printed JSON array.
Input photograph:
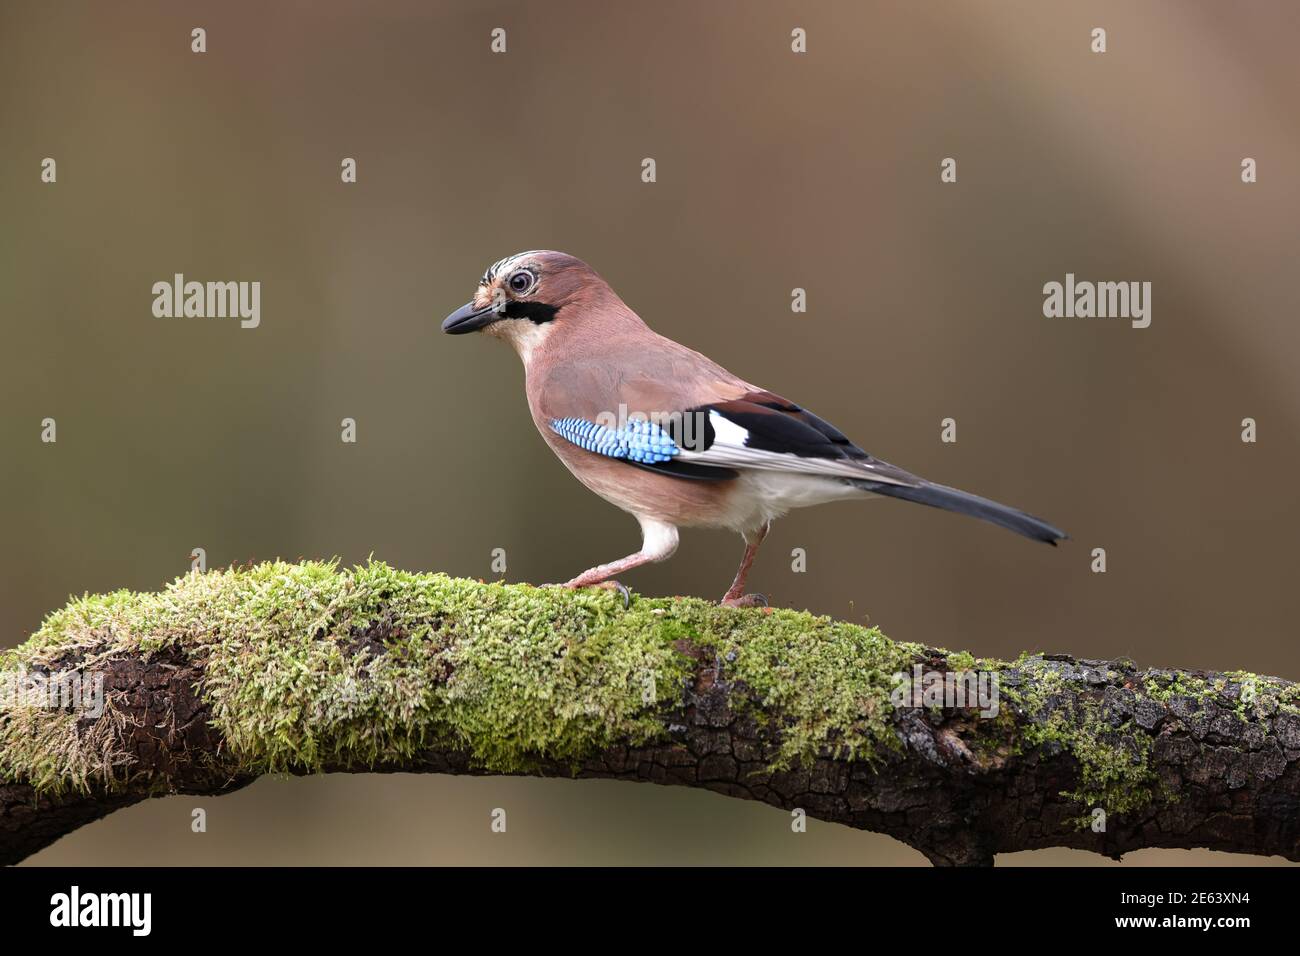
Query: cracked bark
[{"x": 958, "y": 789}]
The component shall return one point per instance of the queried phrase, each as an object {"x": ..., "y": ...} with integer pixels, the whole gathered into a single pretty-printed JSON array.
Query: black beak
[{"x": 468, "y": 318}]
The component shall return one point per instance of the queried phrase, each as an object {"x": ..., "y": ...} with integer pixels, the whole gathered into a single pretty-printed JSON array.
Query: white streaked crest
[{"x": 500, "y": 265}]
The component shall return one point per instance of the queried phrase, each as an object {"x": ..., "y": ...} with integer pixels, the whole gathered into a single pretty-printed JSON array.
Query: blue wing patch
[{"x": 641, "y": 442}]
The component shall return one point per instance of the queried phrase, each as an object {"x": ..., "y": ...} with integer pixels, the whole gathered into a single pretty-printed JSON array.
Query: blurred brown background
[{"x": 775, "y": 170}]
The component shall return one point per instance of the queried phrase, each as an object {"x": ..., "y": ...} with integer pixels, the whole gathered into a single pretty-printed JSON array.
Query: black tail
[{"x": 950, "y": 499}]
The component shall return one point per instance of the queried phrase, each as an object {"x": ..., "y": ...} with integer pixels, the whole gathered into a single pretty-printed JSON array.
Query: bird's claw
[
  {"x": 605, "y": 585},
  {"x": 621, "y": 588},
  {"x": 745, "y": 600}
]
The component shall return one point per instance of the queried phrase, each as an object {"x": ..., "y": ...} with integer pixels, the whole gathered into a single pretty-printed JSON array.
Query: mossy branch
[{"x": 307, "y": 668}]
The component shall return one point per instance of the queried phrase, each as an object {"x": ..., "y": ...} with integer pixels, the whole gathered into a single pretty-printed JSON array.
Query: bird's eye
[{"x": 522, "y": 281}]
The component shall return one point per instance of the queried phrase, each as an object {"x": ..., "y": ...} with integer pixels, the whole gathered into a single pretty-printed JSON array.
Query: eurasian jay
[{"x": 666, "y": 434}]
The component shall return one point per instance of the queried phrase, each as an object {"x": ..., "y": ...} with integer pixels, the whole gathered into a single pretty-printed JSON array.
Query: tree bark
[{"x": 1097, "y": 755}]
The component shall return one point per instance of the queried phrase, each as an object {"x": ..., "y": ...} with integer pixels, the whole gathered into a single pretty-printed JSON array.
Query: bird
[{"x": 668, "y": 435}]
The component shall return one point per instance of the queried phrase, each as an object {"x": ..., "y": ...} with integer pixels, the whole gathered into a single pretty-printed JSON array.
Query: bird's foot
[
  {"x": 610, "y": 585},
  {"x": 745, "y": 600}
]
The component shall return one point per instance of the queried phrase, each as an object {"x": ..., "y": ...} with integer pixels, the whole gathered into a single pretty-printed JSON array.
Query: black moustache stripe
[{"x": 537, "y": 312}]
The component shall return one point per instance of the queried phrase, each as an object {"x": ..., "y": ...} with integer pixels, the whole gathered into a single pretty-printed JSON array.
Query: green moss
[
  {"x": 1114, "y": 762},
  {"x": 1288, "y": 699},
  {"x": 1255, "y": 696},
  {"x": 51, "y": 751},
  {"x": 530, "y": 672},
  {"x": 831, "y": 681},
  {"x": 963, "y": 661},
  {"x": 310, "y": 666},
  {"x": 1181, "y": 685}
]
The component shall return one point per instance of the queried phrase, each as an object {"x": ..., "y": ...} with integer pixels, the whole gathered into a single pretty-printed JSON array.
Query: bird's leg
[
  {"x": 602, "y": 575},
  {"x": 736, "y": 596},
  {"x": 658, "y": 542}
]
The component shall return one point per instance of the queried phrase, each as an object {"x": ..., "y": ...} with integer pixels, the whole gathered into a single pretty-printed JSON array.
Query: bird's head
[{"x": 525, "y": 297}]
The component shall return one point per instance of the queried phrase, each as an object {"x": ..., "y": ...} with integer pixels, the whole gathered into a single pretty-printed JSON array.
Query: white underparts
[
  {"x": 658, "y": 539},
  {"x": 762, "y": 496}
]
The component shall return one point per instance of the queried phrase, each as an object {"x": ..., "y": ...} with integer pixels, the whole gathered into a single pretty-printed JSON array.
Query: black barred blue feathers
[{"x": 642, "y": 442}]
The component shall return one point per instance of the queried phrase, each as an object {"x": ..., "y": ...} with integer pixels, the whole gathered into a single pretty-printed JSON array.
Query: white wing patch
[{"x": 729, "y": 450}]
